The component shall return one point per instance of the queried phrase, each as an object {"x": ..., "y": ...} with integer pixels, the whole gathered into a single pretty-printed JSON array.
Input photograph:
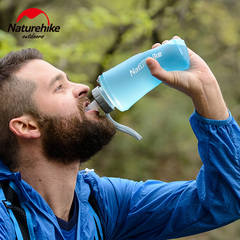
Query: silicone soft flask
[{"x": 126, "y": 83}]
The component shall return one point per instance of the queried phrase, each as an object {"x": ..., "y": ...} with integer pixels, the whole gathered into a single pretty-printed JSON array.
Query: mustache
[
  {"x": 83, "y": 99},
  {"x": 82, "y": 103}
]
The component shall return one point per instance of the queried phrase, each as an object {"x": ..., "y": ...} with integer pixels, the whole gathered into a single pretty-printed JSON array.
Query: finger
[
  {"x": 156, "y": 45},
  {"x": 165, "y": 41},
  {"x": 159, "y": 72},
  {"x": 176, "y": 37}
]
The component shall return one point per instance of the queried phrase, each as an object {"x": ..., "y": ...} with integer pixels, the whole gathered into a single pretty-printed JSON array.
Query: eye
[{"x": 59, "y": 88}]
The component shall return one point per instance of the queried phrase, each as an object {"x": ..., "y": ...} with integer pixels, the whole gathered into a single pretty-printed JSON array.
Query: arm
[{"x": 158, "y": 210}]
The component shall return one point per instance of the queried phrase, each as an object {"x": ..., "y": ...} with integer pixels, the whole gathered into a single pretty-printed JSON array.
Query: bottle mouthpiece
[{"x": 92, "y": 106}]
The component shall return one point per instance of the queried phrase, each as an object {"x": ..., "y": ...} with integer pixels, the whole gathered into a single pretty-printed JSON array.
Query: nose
[{"x": 80, "y": 90}]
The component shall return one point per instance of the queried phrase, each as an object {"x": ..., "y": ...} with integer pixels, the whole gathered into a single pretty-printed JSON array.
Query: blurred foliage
[{"x": 97, "y": 35}]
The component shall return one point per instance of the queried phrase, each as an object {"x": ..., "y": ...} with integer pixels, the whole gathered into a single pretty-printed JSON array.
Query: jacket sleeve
[{"x": 159, "y": 210}]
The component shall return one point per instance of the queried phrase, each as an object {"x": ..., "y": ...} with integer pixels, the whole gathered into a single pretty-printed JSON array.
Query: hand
[{"x": 198, "y": 82}]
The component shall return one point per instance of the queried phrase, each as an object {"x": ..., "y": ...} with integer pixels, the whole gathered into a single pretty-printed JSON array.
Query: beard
[{"x": 74, "y": 139}]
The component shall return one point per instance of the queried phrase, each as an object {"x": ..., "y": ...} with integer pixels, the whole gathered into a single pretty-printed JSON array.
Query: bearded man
[{"x": 46, "y": 133}]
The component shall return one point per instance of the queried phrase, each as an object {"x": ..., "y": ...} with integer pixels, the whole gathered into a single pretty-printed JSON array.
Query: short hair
[{"x": 15, "y": 99}]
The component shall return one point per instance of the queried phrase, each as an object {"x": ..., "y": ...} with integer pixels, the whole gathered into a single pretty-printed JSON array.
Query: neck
[{"x": 55, "y": 182}]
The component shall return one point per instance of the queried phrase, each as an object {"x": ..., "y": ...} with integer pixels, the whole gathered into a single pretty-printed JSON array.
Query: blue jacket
[{"x": 151, "y": 209}]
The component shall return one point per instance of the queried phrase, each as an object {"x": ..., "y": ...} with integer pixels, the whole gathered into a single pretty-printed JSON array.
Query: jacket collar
[{"x": 7, "y": 174}]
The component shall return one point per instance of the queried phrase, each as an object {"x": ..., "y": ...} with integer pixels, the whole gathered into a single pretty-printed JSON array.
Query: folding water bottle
[{"x": 123, "y": 85}]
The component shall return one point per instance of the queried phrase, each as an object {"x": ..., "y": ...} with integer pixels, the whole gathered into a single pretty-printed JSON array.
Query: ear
[{"x": 25, "y": 127}]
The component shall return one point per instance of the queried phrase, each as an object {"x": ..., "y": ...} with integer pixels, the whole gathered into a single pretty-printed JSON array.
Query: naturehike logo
[
  {"x": 32, "y": 13},
  {"x": 142, "y": 64}
]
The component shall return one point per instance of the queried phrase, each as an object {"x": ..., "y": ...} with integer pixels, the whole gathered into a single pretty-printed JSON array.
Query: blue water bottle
[{"x": 123, "y": 85}]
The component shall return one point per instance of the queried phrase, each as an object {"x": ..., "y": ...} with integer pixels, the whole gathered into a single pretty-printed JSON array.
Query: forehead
[{"x": 38, "y": 71}]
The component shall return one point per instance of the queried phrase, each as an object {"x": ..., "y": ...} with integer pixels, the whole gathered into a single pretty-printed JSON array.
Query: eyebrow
[{"x": 57, "y": 78}]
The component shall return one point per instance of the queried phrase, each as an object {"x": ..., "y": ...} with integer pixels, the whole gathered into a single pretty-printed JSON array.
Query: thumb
[
  {"x": 158, "y": 72},
  {"x": 180, "y": 80}
]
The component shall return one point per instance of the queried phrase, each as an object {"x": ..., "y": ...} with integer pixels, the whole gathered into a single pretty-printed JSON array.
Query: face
[
  {"x": 69, "y": 132},
  {"x": 55, "y": 94}
]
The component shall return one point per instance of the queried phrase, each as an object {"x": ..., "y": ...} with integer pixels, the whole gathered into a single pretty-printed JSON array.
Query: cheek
[
  {"x": 62, "y": 107},
  {"x": 59, "y": 104},
  {"x": 66, "y": 109}
]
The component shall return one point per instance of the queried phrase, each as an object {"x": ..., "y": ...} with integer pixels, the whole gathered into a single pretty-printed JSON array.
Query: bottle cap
[{"x": 101, "y": 100}]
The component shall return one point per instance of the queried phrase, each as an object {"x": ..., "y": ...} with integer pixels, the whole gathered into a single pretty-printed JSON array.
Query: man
[{"x": 46, "y": 133}]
